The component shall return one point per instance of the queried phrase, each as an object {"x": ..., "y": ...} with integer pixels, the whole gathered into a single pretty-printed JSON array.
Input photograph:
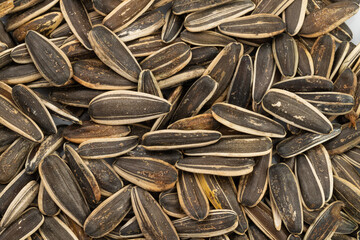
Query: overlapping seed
[{"x": 174, "y": 119}]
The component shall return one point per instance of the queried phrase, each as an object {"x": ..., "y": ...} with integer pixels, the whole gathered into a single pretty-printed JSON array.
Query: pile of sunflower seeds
[{"x": 183, "y": 119}]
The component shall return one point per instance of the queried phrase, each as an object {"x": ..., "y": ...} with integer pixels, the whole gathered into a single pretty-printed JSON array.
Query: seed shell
[
  {"x": 54, "y": 228},
  {"x": 183, "y": 6},
  {"x": 286, "y": 54},
  {"x": 17, "y": 74},
  {"x": 148, "y": 84},
  {"x": 323, "y": 54},
  {"x": 131, "y": 229},
  {"x": 170, "y": 156},
  {"x": 305, "y": 84},
  {"x": 45, "y": 204},
  {"x": 104, "y": 7},
  {"x": 294, "y": 16},
  {"x": 170, "y": 205},
  {"x": 203, "y": 121},
  {"x": 306, "y": 63},
  {"x": 272, "y": 6}
]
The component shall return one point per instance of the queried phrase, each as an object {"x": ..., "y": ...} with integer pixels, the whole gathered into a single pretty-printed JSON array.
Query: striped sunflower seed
[
  {"x": 286, "y": 54},
  {"x": 104, "y": 7},
  {"x": 170, "y": 156},
  {"x": 306, "y": 63},
  {"x": 206, "y": 38},
  {"x": 149, "y": 173},
  {"x": 294, "y": 16},
  {"x": 202, "y": 55},
  {"x": 131, "y": 229},
  {"x": 345, "y": 170},
  {"x": 170, "y": 205},
  {"x": 172, "y": 27},
  {"x": 352, "y": 156},
  {"x": 305, "y": 84},
  {"x": 272, "y": 6},
  {"x": 203, "y": 121},
  {"x": 323, "y": 54},
  {"x": 45, "y": 204},
  {"x": 54, "y": 228},
  {"x": 148, "y": 84},
  {"x": 17, "y": 74},
  {"x": 346, "y": 82},
  {"x": 183, "y": 6}
]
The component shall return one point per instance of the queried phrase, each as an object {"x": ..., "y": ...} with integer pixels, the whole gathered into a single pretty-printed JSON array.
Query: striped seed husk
[
  {"x": 104, "y": 7},
  {"x": 192, "y": 197},
  {"x": 23, "y": 4},
  {"x": 5, "y": 57},
  {"x": 253, "y": 186},
  {"x": 275, "y": 212},
  {"x": 170, "y": 205},
  {"x": 218, "y": 222},
  {"x": 331, "y": 17},
  {"x": 330, "y": 103},
  {"x": 168, "y": 139},
  {"x": 153, "y": 222},
  {"x": 145, "y": 25},
  {"x": 203, "y": 121},
  {"x": 18, "y": 74},
  {"x": 352, "y": 156},
  {"x": 170, "y": 156},
  {"x": 275, "y": 7},
  {"x": 149, "y": 173},
  {"x": 203, "y": 55},
  {"x": 16, "y": 20},
  {"x": 125, "y": 14},
  {"x": 105, "y": 217},
  {"x": 320, "y": 159},
  {"x": 312, "y": 192},
  {"x": 221, "y": 192},
  {"x": 54, "y": 228},
  {"x": 17, "y": 121},
  {"x": 5, "y": 7},
  {"x": 168, "y": 60},
  {"x": 56, "y": 67},
  {"x": 305, "y": 84},
  {"x": 286, "y": 54},
  {"x": 172, "y": 27},
  {"x": 200, "y": 20},
  {"x": 12, "y": 189},
  {"x": 351, "y": 58},
  {"x": 347, "y": 139},
  {"x": 296, "y": 111},
  {"x": 235, "y": 146},
  {"x": 285, "y": 191},
  {"x": 78, "y": 20},
  {"x": 326, "y": 223},
  {"x": 27, "y": 224},
  {"x": 5, "y": 37},
  {"x": 195, "y": 98},
  {"x": 63, "y": 188},
  {"x": 255, "y": 233},
  {"x": 106, "y": 177},
  {"x": 44, "y": 24},
  {"x": 257, "y": 26},
  {"x": 340, "y": 54},
  {"x": 45, "y": 204},
  {"x": 246, "y": 121},
  {"x": 294, "y": 16},
  {"x": 114, "y": 53},
  {"x": 5, "y": 91},
  {"x": 12, "y": 159},
  {"x": 323, "y": 54},
  {"x": 304, "y": 141},
  {"x": 131, "y": 229},
  {"x": 20, "y": 53},
  {"x": 107, "y": 147},
  {"x": 263, "y": 79},
  {"x": 125, "y": 107},
  {"x": 182, "y": 77},
  {"x": 146, "y": 46},
  {"x": 74, "y": 96},
  {"x": 306, "y": 63},
  {"x": 183, "y": 6},
  {"x": 148, "y": 83},
  {"x": 240, "y": 87},
  {"x": 27, "y": 100},
  {"x": 85, "y": 178},
  {"x": 342, "y": 168},
  {"x": 20, "y": 202},
  {"x": 216, "y": 165},
  {"x": 206, "y": 38},
  {"x": 74, "y": 50},
  {"x": 7, "y": 137},
  {"x": 89, "y": 130},
  {"x": 346, "y": 82}
]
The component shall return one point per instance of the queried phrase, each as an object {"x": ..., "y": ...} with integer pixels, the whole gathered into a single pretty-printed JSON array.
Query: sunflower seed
[
  {"x": 148, "y": 84},
  {"x": 172, "y": 27},
  {"x": 131, "y": 229},
  {"x": 170, "y": 204},
  {"x": 63, "y": 188},
  {"x": 170, "y": 156},
  {"x": 305, "y": 84},
  {"x": 306, "y": 63},
  {"x": 153, "y": 222},
  {"x": 105, "y": 217},
  {"x": 294, "y": 16},
  {"x": 17, "y": 74},
  {"x": 212, "y": 17},
  {"x": 104, "y": 7},
  {"x": 54, "y": 228},
  {"x": 146, "y": 46},
  {"x": 45, "y": 204},
  {"x": 125, "y": 107},
  {"x": 340, "y": 55},
  {"x": 345, "y": 170},
  {"x": 74, "y": 50},
  {"x": 183, "y": 6},
  {"x": 286, "y": 54},
  {"x": 188, "y": 73},
  {"x": 352, "y": 156},
  {"x": 323, "y": 53},
  {"x": 203, "y": 121},
  {"x": 206, "y": 38},
  {"x": 275, "y": 7},
  {"x": 203, "y": 55},
  {"x": 149, "y": 173}
]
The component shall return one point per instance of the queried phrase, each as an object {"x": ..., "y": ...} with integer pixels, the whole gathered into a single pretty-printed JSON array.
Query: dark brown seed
[
  {"x": 105, "y": 217},
  {"x": 23, "y": 4},
  {"x": 192, "y": 198},
  {"x": 27, "y": 100},
  {"x": 272, "y": 6},
  {"x": 342, "y": 168},
  {"x": 148, "y": 84},
  {"x": 188, "y": 73},
  {"x": 171, "y": 156},
  {"x": 126, "y": 107},
  {"x": 177, "y": 139},
  {"x": 352, "y": 156},
  {"x": 212, "y": 17},
  {"x": 131, "y": 229},
  {"x": 63, "y": 188},
  {"x": 104, "y": 7},
  {"x": 5, "y": 37},
  {"x": 286, "y": 54},
  {"x": 263, "y": 79},
  {"x": 331, "y": 17},
  {"x": 305, "y": 84},
  {"x": 294, "y": 16},
  {"x": 206, "y": 38},
  {"x": 296, "y": 111},
  {"x": 109, "y": 182},
  {"x": 5, "y": 57},
  {"x": 153, "y": 222},
  {"x": 14, "y": 119},
  {"x": 255, "y": 26},
  {"x": 202, "y": 55},
  {"x": 297, "y": 144},
  {"x": 56, "y": 67},
  {"x": 323, "y": 53},
  {"x": 45, "y": 204},
  {"x": 78, "y": 20},
  {"x": 107, "y": 147},
  {"x": 44, "y": 24},
  {"x": 346, "y": 82},
  {"x": 86, "y": 180},
  {"x": 125, "y": 14},
  {"x": 341, "y": 53},
  {"x": 235, "y": 146},
  {"x": 74, "y": 96},
  {"x": 16, "y": 74},
  {"x": 7, "y": 137},
  {"x": 114, "y": 53},
  {"x": 172, "y": 27},
  {"x": 149, "y": 173},
  {"x": 170, "y": 204},
  {"x": 286, "y": 194},
  {"x": 184, "y": 6},
  {"x": 306, "y": 63},
  {"x": 90, "y": 130},
  {"x": 74, "y": 50},
  {"x": 253, "y": 186},
  {"x": 54, "y": 228},
  {"x": 203, "y": 121}
]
